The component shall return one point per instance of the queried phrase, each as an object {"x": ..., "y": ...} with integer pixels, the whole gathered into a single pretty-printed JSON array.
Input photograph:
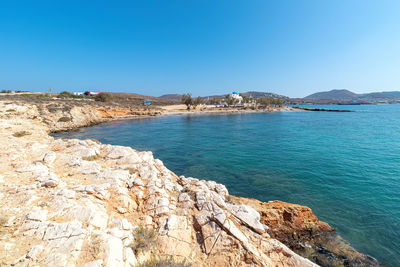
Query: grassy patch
[
  {"x": 144, "y": 239},
  {"x": 21, "y": 133},
  {"x": 3, "y": 220},
  {"x": 64, "y": 119},
  {"x": 167, "y": 262},
  {"x": 91, "y": 158},
  {"x": 132, "y": 170}
]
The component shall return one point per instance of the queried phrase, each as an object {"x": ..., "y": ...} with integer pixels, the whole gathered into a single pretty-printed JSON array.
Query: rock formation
[{"x": 298, "y": 228}]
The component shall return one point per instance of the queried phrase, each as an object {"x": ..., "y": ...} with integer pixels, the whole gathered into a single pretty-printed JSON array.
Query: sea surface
[{"x": 344, "y": 166}]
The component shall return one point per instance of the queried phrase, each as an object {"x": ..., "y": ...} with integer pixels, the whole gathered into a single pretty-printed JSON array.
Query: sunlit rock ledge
[{"x": 83, "y": 203}]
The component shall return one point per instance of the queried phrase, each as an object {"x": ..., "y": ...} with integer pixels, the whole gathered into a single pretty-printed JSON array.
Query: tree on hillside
[
  {"x": 213, "y": 101},
  {"x": 103, "y": 97},
  {"x": 197, "y": 101},
  {"x": 187, "y": 100},
  {"x": 265, "y": 101},
  {"x": 229, "y": 100},
  {"x": 276, "y": 102},
  {"x": 65, "y": 94},
  {"x": 245, "y": 99}
]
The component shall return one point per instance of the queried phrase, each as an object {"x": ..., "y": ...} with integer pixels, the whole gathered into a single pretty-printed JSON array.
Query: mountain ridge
[{"x": 347, "y": 95}]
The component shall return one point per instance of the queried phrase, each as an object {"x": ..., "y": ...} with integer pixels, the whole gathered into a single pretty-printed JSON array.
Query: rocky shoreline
[{"x": 83, "y": 203}]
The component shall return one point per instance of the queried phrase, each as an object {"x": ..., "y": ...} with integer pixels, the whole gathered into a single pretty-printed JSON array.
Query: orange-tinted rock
[
  {"x": 298, "y": 228},
  {"x": 287, "y": 222}
]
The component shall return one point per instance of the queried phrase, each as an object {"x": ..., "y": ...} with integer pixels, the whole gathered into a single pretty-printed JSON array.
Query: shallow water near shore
[{"x": 344, "y": 166}]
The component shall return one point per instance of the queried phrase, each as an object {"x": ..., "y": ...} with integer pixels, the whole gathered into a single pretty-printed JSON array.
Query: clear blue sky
[{"x": 204, "y": 47}]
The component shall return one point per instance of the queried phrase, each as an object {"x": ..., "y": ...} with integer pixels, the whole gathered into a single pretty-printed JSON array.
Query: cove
[{"x": 344, "y": 166}]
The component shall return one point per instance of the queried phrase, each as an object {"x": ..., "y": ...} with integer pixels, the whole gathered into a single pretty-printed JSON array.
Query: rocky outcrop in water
[
  {"x": 83, "y": 203},
  {"x": 298, "y": 228}
]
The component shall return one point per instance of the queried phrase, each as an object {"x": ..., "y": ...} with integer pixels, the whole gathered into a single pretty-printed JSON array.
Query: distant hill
[
  {"x": 377, "y": 96},
  {"x": 336, "y": 94},
  {"x": 176, "y": 97},
  {"x": 140, "y": 98},
  {"x": 132, "y": 95},
  {"x": 255, "y": 94},
  {"x": 392, "y": 93},
  {"x": 343, "y": 95}
]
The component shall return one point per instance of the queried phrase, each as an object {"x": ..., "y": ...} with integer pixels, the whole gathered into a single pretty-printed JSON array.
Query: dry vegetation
[
  {"x": 91, "y": 158},
  {"x": 3, "y": 220},
  {"x": 21, "y": 133},
  {"x": 145, "y": 238},
  {"x": 64, "y": 119},
  {"x": 166, "y": 262}
]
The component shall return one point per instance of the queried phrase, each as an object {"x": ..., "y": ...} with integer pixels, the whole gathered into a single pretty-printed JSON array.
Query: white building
[{"x": 238, "y": 99}]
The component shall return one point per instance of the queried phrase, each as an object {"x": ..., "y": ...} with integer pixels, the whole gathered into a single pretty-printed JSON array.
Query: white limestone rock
[
  {"x": 74, "y": 161},
  {"x": 146, "y": 220},
  {"x": 34, "y": 251},
  {"x": 163, "y": 202},
  {"x": 117, "y": 152},
  {"x": 61, "y": 230},
  {"x": 113, "y": 250},
  {"x": 49, "y": 157},
  {"x": 161, "y": 211},
  {"x": 118, "y": 177},
  {"x": 83, "y": 150},
  {"x": 218, "y": 199},
  {"x": 37, "y": 214},
  {"x": 89, "y": 167},
  {"x": 37, "y": 169},
  {"x": 248, "y": 216},
  {"x": 125, "y": 225},
  {"x": 129, "y": 256},
  {"x": 50, "y": 180},
  {"x": 66, "y": 193},
  {"x": 132, "y": 158},
  {"x": 231, "y": 228},
  {"x": 147, "y": 156},
  {"x": 96, "y": 263},
  {"x": 89, "y": 214},
  {"x": 100, "y": 191},
  {"x": 221, "y": 189}
]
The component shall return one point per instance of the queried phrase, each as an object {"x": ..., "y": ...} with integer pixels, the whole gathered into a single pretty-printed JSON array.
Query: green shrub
[
  {"x": 144, "y": 239},
  {"x": 103, "y": 97},
  {"x": 65, "y": 94},
  {"x": 21, "y": 133},
  {"x": 64, "y": 119}
]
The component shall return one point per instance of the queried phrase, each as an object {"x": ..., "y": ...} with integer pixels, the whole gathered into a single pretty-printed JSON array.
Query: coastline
[{"x": 128, "y": 195}]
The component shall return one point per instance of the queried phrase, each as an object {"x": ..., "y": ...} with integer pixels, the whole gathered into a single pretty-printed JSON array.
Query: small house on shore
[{"x": 237, "y": 98}]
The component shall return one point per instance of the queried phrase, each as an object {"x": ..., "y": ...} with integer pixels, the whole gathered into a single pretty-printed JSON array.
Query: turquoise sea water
[{"x": 345, "y": 166}]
